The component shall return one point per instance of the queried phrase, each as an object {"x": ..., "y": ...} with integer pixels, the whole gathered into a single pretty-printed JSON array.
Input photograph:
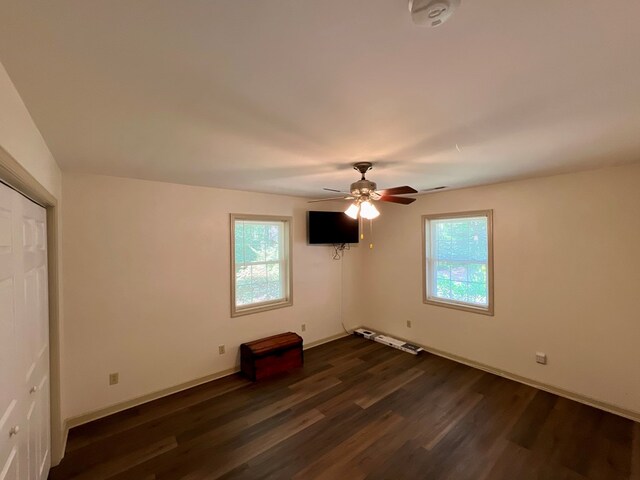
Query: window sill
[
  {"x": 263, "y": 307},
  {"x": 457, "y": 306}
]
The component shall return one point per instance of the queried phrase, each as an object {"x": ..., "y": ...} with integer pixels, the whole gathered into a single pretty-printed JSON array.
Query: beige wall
[
  {"x": 567, "y": 281},
  {"x": 147, "y": 282},
  {"x": 20, "y": 137},
  {"x": 147, "y": 265}
]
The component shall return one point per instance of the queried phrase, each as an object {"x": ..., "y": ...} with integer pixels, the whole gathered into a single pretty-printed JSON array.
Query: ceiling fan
[{"x": 364, "y": 192}]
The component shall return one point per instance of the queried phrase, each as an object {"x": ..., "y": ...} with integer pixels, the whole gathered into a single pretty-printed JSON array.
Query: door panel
[
  {"x": 10, "y": 356},
  {"x": 8, "y": 346},
  {"x": 11, "y": 469},
  {"x": 24, "y": 339},
  {"x": 5, "y": 229},
  {"x": 44, "y": 428},
  {"x": 32, "y": 441}
]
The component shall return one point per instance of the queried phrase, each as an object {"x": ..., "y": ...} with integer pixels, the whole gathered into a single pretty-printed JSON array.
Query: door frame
[{"x": 18, "y": 178}]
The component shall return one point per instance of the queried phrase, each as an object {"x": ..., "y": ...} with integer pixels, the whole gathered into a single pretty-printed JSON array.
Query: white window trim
[
  {"x": 288, "y": 261},
  {"x": 426, "y": 231}
]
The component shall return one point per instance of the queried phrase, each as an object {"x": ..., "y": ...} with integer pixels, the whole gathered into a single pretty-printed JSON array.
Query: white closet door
[
  {"x": 10, "y": 356},
  {"x": 24, "y": 339}
]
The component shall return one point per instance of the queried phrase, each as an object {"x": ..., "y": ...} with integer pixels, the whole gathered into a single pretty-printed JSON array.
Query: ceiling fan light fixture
[
  {"x": 364, "y": 192},
  {"x": 368, "y": 210},
  {"x": 353, "y": 210}
]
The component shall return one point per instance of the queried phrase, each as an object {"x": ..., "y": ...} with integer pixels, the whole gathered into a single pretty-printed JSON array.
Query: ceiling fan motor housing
[{"x": 363, "y": 188}]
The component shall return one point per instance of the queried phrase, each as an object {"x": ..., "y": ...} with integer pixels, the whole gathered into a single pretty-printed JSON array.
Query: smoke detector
[{"x": 432, "y": 12}]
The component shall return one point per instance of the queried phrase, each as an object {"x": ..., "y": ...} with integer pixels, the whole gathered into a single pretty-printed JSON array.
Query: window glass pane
[
  {"x": 260, "y": 293},
  {"x": 458, "y": 255},
  {"x": 477, "y": 273},
  {"x": 443, "y": 289},
  {"x": 243, "y": 275},
  {"x": 274, "y": 291},
  {"x": 273, "y": 242},
  {"x": 258, "y": 274},
  {"x": 443, "y": 271},
  {"x": 239, "y": 242},
  {"x": 260, "y": 262},
  {"x": 250, "y": 254},
  {"x": 273, "y": 273},
  {"x": 274, "y": 233},
  {"x": 272, "y": 251},
  {"x": 254, "y": 242},
  {"x": 244, "y": 295},
  {"x": 459, "y": 273}
]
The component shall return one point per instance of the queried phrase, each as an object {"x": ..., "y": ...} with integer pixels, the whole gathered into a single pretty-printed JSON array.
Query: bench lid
[{"x": 275, "y": 342}]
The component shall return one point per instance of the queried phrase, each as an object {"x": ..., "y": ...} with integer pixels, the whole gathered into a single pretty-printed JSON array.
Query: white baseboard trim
[
  {"x": 119, "y": 407},
  {"x": 325, "y": 340},
  {"x": 65, "y": 435},
  {"x": 607, "y": 407},
  {"x": 97, "y": 414},
  {"x": 134, "y": 402}
]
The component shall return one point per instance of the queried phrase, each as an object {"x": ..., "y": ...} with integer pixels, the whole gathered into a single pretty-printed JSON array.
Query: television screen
[{"x": 326, "y": 228}]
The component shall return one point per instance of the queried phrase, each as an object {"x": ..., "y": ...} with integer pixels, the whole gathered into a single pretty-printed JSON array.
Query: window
[
  {"x": 261, "y": 263},
  {"x": 458, "y": 266}
]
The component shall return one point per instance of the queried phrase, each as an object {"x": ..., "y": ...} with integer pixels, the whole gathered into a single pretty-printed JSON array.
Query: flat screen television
[{"x": 328, "y": 228}]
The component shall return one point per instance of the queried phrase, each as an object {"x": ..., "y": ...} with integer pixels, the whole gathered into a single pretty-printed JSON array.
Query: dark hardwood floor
[{"x": 358, "y": 410}]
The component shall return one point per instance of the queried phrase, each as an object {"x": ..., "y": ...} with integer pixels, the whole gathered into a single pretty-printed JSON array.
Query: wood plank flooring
[{"x": 358, "y": 410}]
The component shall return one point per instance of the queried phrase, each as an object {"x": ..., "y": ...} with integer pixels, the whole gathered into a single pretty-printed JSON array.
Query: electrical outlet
[
  {"x": 541, "y": 358},
  {"x": 304, "y": 327},
  {"x": 114, "y": 378},
  {"x": 408, "y": 323},
  {"x": 221, "y": 349}
]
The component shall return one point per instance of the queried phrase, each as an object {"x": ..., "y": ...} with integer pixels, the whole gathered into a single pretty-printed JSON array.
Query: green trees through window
[
  {"x": 260, "y": 257},
  {"x": 457, "y": 259}
]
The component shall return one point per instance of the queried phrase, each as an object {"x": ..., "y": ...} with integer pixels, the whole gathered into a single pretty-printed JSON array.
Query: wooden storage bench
[{"x": 270, "y": 356}]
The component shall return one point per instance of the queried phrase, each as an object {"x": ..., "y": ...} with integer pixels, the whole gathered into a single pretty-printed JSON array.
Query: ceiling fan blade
[
  {"x": 334, "y": 190},
  {"x": 394, "y": 199},
  {"x": 433, "y": 189},
  {"x": 398, "y": 190},
  {"x": 329, "y": 199}
]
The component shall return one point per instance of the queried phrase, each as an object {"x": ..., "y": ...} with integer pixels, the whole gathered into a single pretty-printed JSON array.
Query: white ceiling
[{"x": 282, "y": 95}]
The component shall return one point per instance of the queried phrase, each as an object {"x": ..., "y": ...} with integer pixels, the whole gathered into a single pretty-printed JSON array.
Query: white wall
[
  {"x": 148, "y": 286},
  {"x": 567, "y": 281},
  {"x": 20, "y": 137}
]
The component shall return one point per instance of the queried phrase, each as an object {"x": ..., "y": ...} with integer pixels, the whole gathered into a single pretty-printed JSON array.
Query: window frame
[
  {"x": 426, "y": 232},
  {"x": 237, "y": 311}
]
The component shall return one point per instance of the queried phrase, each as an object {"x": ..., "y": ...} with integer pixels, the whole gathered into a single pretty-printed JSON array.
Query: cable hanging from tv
[{"x": 339, "y": 249}]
